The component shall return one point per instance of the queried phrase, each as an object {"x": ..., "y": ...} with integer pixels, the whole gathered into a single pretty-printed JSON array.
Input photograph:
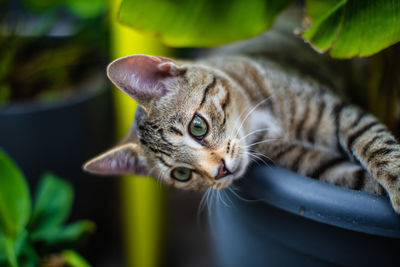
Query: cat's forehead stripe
[
  {"x": 178, "y": 118},
  {"x": 164, "y": 162},
  {"x": 154, "y": 137},
  {"x": 175, "y": 131},
  {"x": 208, "y": 87}
]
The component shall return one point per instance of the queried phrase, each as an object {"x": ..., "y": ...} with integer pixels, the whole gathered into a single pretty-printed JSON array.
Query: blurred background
[{"x": 57, "y": 110}]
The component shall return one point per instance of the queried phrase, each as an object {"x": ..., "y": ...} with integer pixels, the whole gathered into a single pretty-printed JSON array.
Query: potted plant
[
  {"x": 55, "y": 104},
  {"x": 52, "y": 62},
  {"x": 36, "y": 232}
]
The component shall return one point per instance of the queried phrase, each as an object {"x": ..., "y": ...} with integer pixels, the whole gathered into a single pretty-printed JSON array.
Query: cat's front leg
[
  {"x": 371, "y": 144},
  {"x": 323, "y": 164}
]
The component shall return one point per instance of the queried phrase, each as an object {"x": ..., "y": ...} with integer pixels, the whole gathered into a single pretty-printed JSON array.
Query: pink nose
[{"x": 222, "y": 170}]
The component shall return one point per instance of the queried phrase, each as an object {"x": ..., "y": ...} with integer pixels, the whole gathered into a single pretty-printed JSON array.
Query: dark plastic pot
[
  {"x": 285, "y": 219},
  {"x": 59, "y": 137}
]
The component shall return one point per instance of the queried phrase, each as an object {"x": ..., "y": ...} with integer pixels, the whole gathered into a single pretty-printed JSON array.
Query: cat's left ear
[
  {"x": 142, "y": 77},
  {"x": 124, "y": 159}
]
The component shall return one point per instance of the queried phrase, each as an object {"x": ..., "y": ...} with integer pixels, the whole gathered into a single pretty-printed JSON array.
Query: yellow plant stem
[{"x": 141, "y": 196}]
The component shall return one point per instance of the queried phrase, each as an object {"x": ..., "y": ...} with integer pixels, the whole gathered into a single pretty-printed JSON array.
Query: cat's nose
[{"x": 222, "y": 170}]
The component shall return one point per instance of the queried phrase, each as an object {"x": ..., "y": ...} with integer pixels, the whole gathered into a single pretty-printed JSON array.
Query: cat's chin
[{"x": 224, "y": 182}]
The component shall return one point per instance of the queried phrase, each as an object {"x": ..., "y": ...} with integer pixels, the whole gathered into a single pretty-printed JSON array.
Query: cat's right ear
[
  {"x": 124, "y": 159},
  {"x": 142, "y": 76}
]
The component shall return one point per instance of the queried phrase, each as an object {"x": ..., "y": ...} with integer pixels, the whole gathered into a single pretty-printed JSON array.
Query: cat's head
[{"x": 185, "y": 130}]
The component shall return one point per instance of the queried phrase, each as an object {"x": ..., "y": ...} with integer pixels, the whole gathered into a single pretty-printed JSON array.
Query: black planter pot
[
  {"x": 279, "y": 218},
  {"x": 59, "y": 137}
]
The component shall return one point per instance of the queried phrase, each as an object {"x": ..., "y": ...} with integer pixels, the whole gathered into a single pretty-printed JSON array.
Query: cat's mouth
[
  {"x": 235, "y": 173},
  {"x": 223, "y": 171}
]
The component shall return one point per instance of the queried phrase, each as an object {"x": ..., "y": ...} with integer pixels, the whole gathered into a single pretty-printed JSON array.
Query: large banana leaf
[
  {"x": 201, "y": 22},
  {"x": 349, "y": 28},
  {"x": 345, "y": 28}
]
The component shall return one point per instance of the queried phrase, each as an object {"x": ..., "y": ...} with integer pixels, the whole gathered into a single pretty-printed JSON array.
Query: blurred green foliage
[
  {"x": 47, "y": 48},
  {"x": 29, "y": 235},
  {"x": 83, "y": 9},
  {"x": 346, "y": 28},
  {"x": 201, "y": 22}
]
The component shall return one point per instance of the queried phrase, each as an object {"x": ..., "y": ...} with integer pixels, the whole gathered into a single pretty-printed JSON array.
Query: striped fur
[
  {"x": 256, "y": 109},
  {"x": 323, "y": 137}
]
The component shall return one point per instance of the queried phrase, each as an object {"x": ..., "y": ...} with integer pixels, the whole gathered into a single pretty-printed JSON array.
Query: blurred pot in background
[{"x": 55, "y": 104}]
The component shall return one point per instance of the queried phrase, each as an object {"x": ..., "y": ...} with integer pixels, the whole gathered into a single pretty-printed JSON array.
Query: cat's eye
[
  {"x": 198, "y": 127},
  {"x": 181, "y": 174}
]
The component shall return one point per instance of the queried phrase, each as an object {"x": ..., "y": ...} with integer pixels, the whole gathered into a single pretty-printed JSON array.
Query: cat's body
[
  {"x": 308, "y": 132},
  {"x": 201, "y": 123}
]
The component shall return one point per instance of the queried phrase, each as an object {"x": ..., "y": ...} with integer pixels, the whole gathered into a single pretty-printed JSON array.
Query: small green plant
[{"x": 36, "y": 234}]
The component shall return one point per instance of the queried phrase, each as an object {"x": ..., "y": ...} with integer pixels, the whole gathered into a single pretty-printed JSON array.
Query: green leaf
[
  {"x": 41, "y": 5},
  {"x": 17, "y": 245},
  {"x": 82, "y": 9},
  {"x": 28, "y": 256},
  {"x": 52, "y": 204},
  {"x": 201, "y": 22},
  {"x": 318, "y": 8},
  {"x": 86, "y": 9},
  {"x": 354, "y": 28},
  {"x": 331, "y": 20},
  {"x": 2, "y": 248},
  {"x": 69, "y": 234},
  {"x": 73, "y": 259},
  {"x": 8, "y": 254},
  {"x": 15, "y": 202}
]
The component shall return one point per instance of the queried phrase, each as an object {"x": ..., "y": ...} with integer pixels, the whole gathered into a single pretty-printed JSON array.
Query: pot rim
[
  {"x": 322, "y": 202},
  {"x": 81, "y": 94}
]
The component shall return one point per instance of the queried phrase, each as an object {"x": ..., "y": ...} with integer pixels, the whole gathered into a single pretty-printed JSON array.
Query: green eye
[
  {"x": 198, "y": 127},
  {"x": 181, "y": 174}
]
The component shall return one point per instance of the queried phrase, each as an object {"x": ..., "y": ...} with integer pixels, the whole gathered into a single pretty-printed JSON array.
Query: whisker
[
  {"x": 157, "y": 177},
  {"x": 221, "y": 198},
  {"x": 260, "y": 142},
  {"x": 251, "y": 157},
  {"x": 227, "y": 196},
  {"x": 203, "y": 200},
  {"x": 241, "y": 114},
  {"x": 149, "y": 173},
  {"x": 256, "y": 158},
  {"x": 253, "y": 132},
  {"x": 240, "y": 197},
  {"x": 210, "y": 199},
  {"x": 249, "y": 113},
  {"x": 259, "y": 158},
  {"x": 234, "y": 134},
  {"x": 202, "y": 204},
  {"x": 261, "y": 155}
]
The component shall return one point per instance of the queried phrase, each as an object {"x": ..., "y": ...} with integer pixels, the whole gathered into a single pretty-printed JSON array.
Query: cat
[{"x": 200, "y": 123}]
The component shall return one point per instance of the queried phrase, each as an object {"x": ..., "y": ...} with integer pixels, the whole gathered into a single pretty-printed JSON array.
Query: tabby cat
[{"x": 201, "y": 123}]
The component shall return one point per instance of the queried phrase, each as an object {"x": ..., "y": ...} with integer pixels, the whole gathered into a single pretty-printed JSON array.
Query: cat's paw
[{"x": 395, "y": 200}]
